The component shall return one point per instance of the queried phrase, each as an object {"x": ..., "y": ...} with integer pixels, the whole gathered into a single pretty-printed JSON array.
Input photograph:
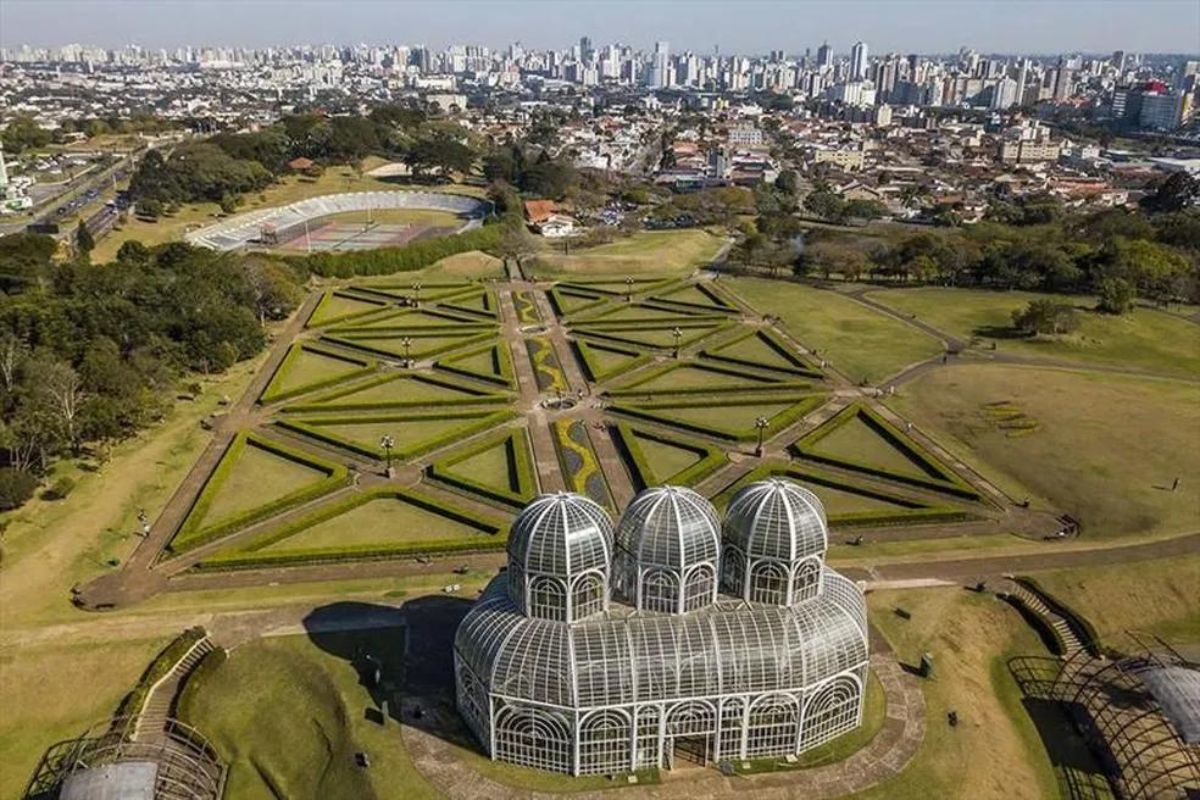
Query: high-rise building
[
  {"x": 660, "y": 67},
  {"x": 1063, "y": 82},
  {"x": 585, "y": 48},
  {"x": 858, "y": 61},
  {"x": 824, "y": 55}
]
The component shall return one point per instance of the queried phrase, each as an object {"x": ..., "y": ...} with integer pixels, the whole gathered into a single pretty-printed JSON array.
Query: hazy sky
[{"x": 750, "y": 26}]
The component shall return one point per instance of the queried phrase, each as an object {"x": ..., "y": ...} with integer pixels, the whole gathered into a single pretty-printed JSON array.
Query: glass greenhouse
[{"x": 676, "y": 636}]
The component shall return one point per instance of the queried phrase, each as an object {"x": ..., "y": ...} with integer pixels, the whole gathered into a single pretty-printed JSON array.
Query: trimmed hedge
[
  {"x": 479, "y": 421},
  {"x": 502, "y": 360},
  {"x": 613, "y": 335},
  {"x": 249, "y": 557},
  {"x": 654, "y": 412},
  {"x": 385, "y": 260},
  {"x": 520, "y": 465},
  {"x": 131, "y": 704},
  {"x": 915, "y": 512},
  {"x": 584, "y": 352},
  {"x": 559, "y": 305},
  {"x": 489, "y": 310},
  {"x": 325, "y": 403},
  {"x": 762, "y": 383},
  {"x": 640, "y": 285},
  {"x": 710, "y": 292},
  {"x": 190, "y": 535},
  {"x": 626, "y": 439},
  {"x": 942, "y": 478},
  {"x": 366, "y": 366},
  {"x": 356, "y": 343},
  {"x": 680, "y": 315},
  {"x": 772, "y": 340}
]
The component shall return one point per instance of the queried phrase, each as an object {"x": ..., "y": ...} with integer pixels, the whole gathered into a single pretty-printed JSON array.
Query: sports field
[{"x": 348, "y": 235}]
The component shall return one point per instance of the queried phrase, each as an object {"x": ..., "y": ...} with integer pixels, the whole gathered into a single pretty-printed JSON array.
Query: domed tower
[
  {"x": 775, "y": 540},
  {"x": 559, "y": 556},
  {"x": 668, "y": 544}
]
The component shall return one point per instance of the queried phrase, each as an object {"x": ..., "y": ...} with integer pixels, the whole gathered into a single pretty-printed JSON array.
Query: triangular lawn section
[
  {"x": 567, "y": 302},
  {"x": 500, "y": 468},
  {"x": 763, "y": 349},
  {"x": 308, "y": 367},
  {"x": 378, "y": 523},
  {"x": 724, "y": 419},
  {"x": 697, "y": 295},
  {"x": 691, "y": 377},
  {"x": 414, "y": 319},
  {"x": 654, "y": 458},
  {"x": 413, "y": 433},
  {"x": 491, "y": 363},
  {"x": 642, "y": 313},
  {"x": 658, "y": 338},
  {"x": 616, "y": 286},
  {"x": 857, "y": 438},
  {"x": 850, "y": 503},
  {"x": 399, "y": 391},
  {"x": 429, "y": 291},
  {"x": 483, "y": 304},
  {"x": 602, "y": 361},
  {"x": 255, "y": 478},
  {"x": 337, "y": 306},
  {"x": 422, "y": 345}
]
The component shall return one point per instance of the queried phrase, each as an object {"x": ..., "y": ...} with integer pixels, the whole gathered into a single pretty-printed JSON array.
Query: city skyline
[{"x": 1156, "y": 26}]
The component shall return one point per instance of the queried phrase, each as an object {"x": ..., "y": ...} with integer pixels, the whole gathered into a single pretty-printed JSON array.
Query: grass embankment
[
  {"x": 44, "y": 699},
  {"x": 862, "y": 343},
  {"x": 646, "y": 251},
  {"x": 995, "y": 750},
  {"x": 1144, "y": 339},
  {"x": 1106, "y": 449},
  {"x": 1156, "y": 597},
  {"x": 288, "y": 189}
]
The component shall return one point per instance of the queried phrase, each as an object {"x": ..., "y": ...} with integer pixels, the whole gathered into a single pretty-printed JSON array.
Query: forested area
[{"x": 89, "y": 355}]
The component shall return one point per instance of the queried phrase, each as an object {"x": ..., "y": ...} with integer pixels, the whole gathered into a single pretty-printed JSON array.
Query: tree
[
  {"x": 1045, "y": 317},
  {"x": 864, "y": 209},
  {"x": 1177, "y": 192},
  {"x": 84, "y": 240},
  {"x": 516, "y": 244},
  {"x": 1116, "y": 295},
  {"x": 788, "y": 181},
  {"x": 826, "y": 204}
]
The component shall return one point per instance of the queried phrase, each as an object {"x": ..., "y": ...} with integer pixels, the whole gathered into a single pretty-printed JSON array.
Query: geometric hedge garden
[{"x": 673, "y": 385}]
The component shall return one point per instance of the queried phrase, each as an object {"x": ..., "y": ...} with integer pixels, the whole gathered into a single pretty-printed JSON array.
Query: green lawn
[
  {"x": 697, "y": 376},
  {"x": 858, "y": 442},
  {"x": 401, "y": 389},
  {"x": 1107, "y": 448},
  {"x": 1143, "y": 339},
  {"x": 995, "y": 752},
  {"x": 381, "y": 522},
  {"x": 407, "y": 433},
  {"x": 726, "y": 417},
  {"x": 305, "y": 367},
  {"x": 643, "y": 252},
  {"x": 337, "y": 306},
  {"x": 666, "y": 459},
  {"x": 862, "y": 343},
  {"x": 288, "y": 717},
  {"x": 258, "y": 477},
  {"x": 1157, "y": 597},
  {"x": 491, "y": 467}
]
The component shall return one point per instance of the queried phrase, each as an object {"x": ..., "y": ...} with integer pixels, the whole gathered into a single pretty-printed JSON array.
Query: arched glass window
[
  {"x": 807, "y": 581},
  {"x": 832, "y": 711},
  {"x": 587, "y": 596},
  {"x": 660, "y": 591},
  {"x": 547, "y": 600},
  {"x": 773, "y": 727},
  {"x": 698, "y": 588},
  {"x": 768, "y": 583},
  {"x": 732, "y": 570},
  {"x": 533, "y": 737},
  {"x": 605, "y": 743}
]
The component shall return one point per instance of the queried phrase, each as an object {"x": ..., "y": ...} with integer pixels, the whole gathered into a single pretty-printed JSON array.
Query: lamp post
[
  {"x": 677, "y": 334},
  {"x": 629, "y": 289},
  {"x": 416, "y": 294},
  {"x": 407, "y": 342},
  {"x": 387, "y": 443},
  {"x": 761, "y": 423}
]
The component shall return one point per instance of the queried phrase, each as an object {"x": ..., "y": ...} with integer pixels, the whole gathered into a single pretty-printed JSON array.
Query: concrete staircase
[
  {"x": 155, "y": 713},
  {"x": 1068, "y": 639}
]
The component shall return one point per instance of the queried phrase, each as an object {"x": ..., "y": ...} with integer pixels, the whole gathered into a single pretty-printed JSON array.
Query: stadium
[
  {"x": 600, "y": 652},
  {"x": 311, "y": 225}
]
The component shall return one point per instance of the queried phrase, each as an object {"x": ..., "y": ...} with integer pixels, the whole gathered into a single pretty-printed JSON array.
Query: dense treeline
[
  {"x": 88, "y": 355},
  {"x": 1115, "y": 254},
  {"x": 386, "y": 260},
  {"x": 222, "y": 167}
]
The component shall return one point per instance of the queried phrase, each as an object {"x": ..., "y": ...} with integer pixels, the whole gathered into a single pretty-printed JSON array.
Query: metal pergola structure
[
  {"x": 663, "y": 665},
  {"x": 109, "y": 760},
  {"x": 1141, "y": 714}
]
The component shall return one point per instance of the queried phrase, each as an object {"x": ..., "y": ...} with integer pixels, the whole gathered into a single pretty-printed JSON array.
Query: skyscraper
[
  {"x": 858, "y": 61},
  {"x": 824, "y": 55},
  {"x": 660, "y": 66}
]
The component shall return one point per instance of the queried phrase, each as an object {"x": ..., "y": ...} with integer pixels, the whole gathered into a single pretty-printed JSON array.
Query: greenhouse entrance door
[{"x": 690, "y": 751}]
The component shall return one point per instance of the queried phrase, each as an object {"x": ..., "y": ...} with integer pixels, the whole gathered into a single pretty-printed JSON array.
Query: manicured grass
[
  {"x": 382, "y": 522},
  {"x": 665, "y": 458},
  {"x": 731, "y": 417},
  {"x": 471, "y": 264},
  {"x": 651, "y": 337},
  {"x": 366, "y": 432},
  {"x": 257, "y": 477},
  {"x": 314, "y": 367},
  {"x": 646, "y": 251},
  {"x": 336, "y": 306},
  {"x": 421, "y": 346},
  {"x": 862, "y": 343},
  {"x": 51, "y": 693},
  {"x": 1157, "y": 597},
  {"x": 1107, "y": 448},
  {"x": 688, "y": 375},
  {"x": 1143, "y": 339},
  {"x": 397, "y": 390},
  {"x": 995, "y": 751},
  {"x": 856, "y": 441},
  {"x": 307, "y": 752}
]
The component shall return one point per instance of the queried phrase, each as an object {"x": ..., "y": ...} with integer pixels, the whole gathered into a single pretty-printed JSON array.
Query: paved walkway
[{"x": 888, "y": 754}]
